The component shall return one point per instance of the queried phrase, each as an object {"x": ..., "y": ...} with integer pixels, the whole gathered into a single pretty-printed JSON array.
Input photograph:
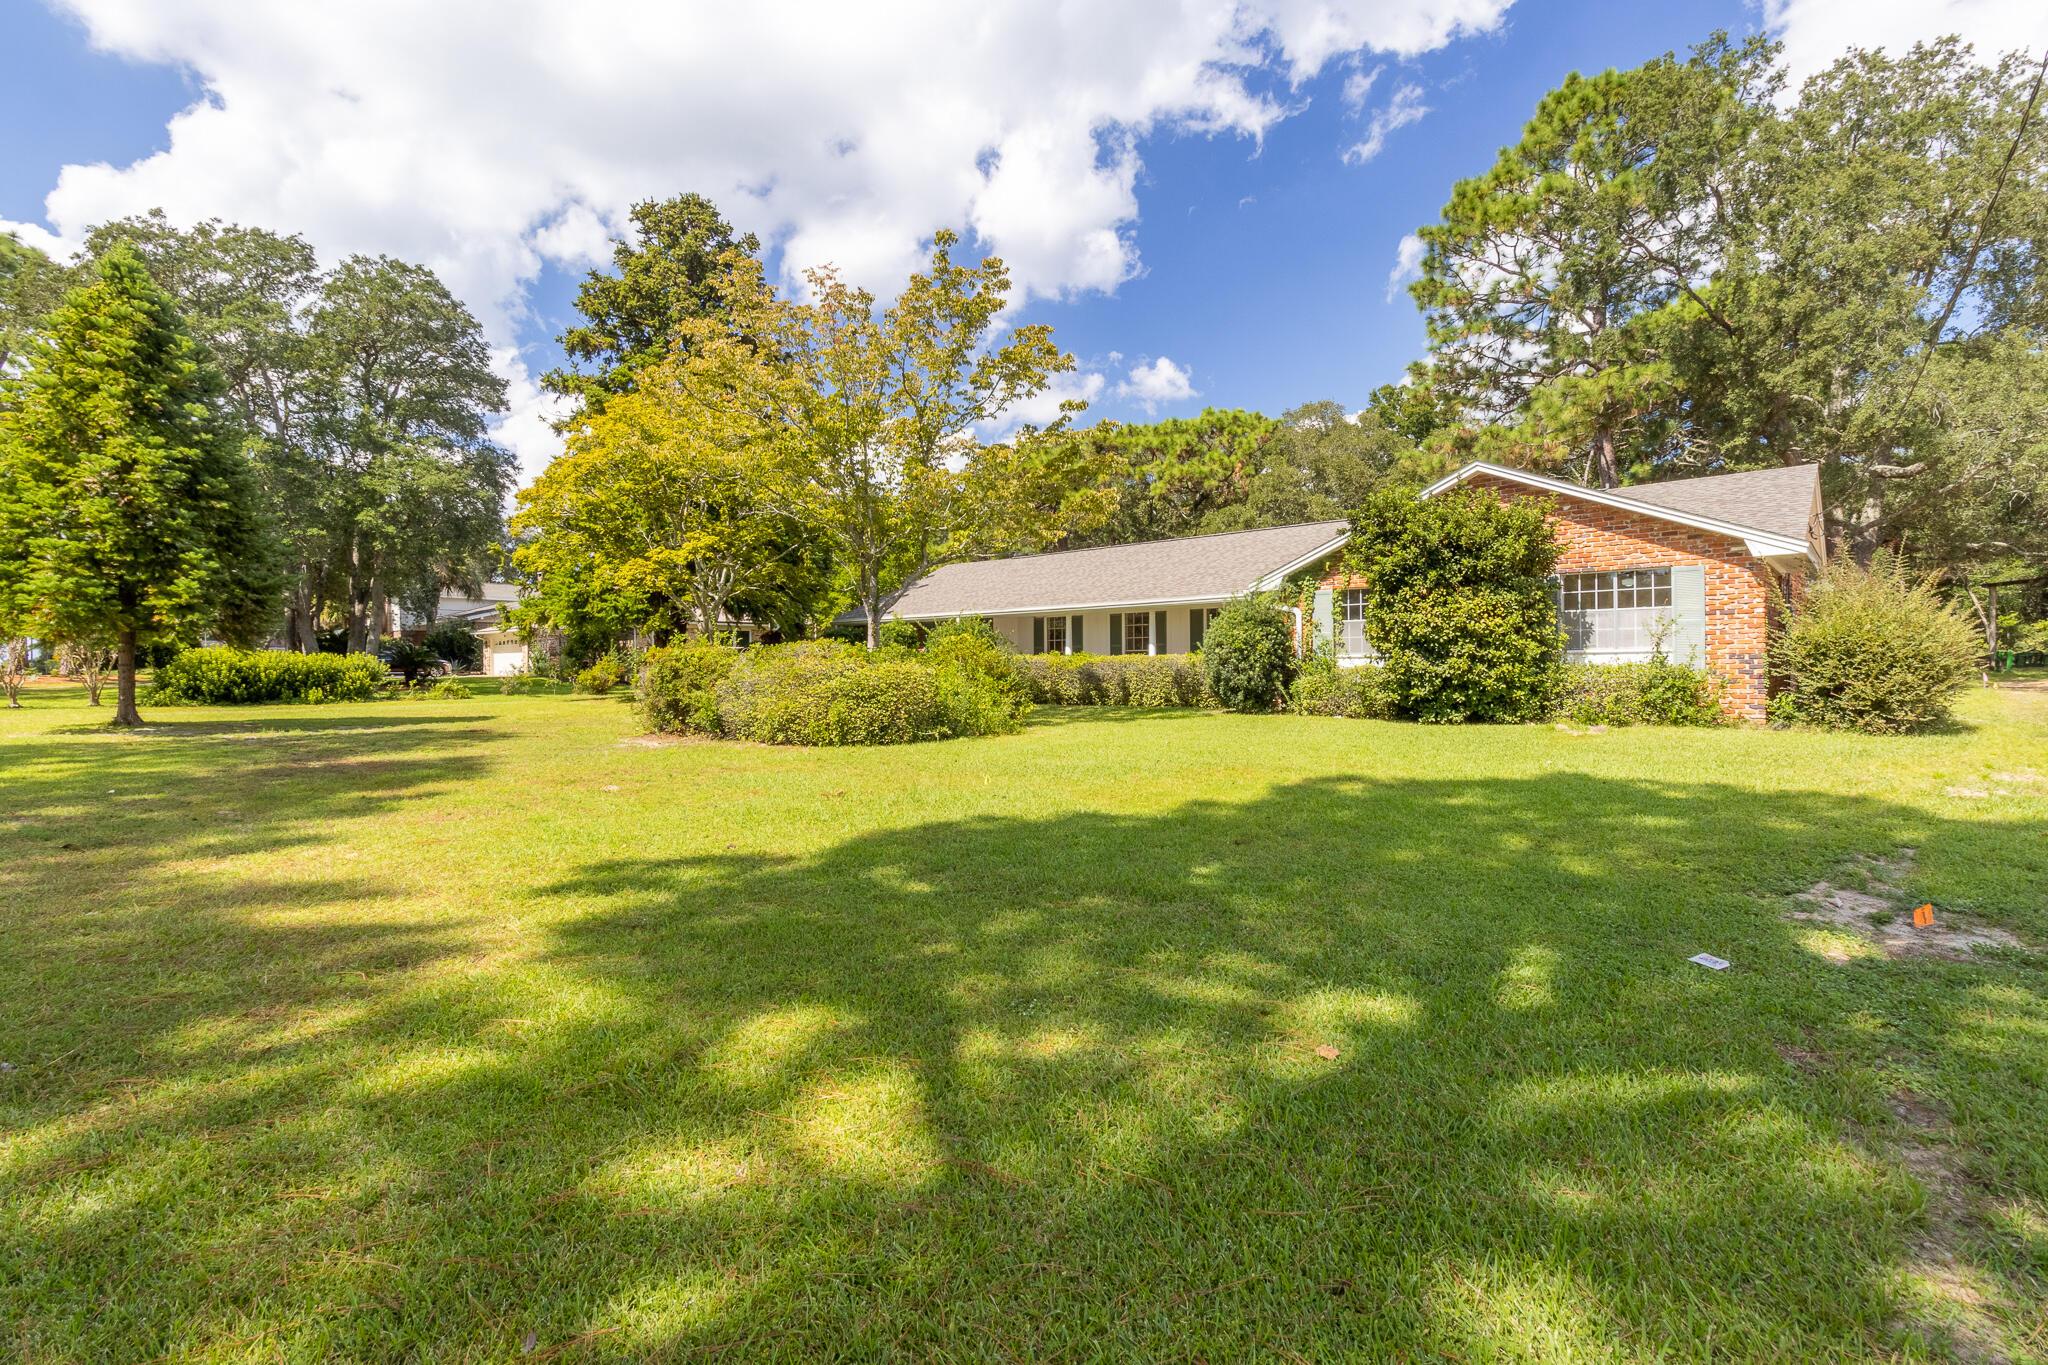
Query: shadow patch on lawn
[{"x": 1042, "y": 1089}]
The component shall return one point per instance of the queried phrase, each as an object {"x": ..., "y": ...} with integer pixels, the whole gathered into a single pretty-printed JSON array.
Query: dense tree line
[
  {"x": 1684, "y": 268},
  {"x": 203, "y": 432}
]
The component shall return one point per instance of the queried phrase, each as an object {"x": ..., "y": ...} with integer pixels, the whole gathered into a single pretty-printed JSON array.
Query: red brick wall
[{"x": 1599, "y": 539}]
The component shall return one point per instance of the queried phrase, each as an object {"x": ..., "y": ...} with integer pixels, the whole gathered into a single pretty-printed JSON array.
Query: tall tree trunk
[
  {"x": 358, "y": 595},
  {"x": 380, "y": 614},
  {"x": 1605, "y": 469},
  {"x": 124, "y": 686}
]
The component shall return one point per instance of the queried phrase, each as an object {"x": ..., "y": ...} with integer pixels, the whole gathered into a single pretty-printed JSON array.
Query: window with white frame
[
  {"x": 1137, "y": 632},
  {"x": 1621, "y": 612},
  {"x": 1351, "y": 626},
  {"x": 1055, "y": 634}
]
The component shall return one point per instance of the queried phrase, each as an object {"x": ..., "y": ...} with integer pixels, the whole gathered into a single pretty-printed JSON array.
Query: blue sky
[{"x": 1216, "y": 246}]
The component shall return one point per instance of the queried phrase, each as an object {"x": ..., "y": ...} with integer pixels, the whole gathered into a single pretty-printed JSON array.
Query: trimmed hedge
[
  {"x": 1116, "y": 680},
  {"x": 1657, "y": 692},
  {"x": 827, "y": 692},
  {"x": 228, "y": 677},
  {"x": 1361, "y": 693}
]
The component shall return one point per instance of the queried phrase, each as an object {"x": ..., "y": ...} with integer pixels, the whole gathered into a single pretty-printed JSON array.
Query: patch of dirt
[
  {"x": 660, "y": 741},
  {"x": 1805, "y": 1059},
  {"x": 1947, "y": 1297},
  {"x": 1883, "y": 913}
]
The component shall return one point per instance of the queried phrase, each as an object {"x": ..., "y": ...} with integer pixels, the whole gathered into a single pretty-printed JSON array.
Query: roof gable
[{"x": 1776, "y": 511}]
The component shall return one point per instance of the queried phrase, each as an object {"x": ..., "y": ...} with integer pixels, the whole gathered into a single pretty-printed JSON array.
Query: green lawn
[{"x": 479, "y": 1030}]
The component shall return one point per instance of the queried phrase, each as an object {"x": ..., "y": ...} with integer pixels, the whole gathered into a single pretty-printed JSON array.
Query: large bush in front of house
[
  {"x": 829, "y": 692},
  {"x": 1116, "y": 680},
  {"x": 1872, "y": 649},
  {"x": 222, "y": 676},
  {"x": 1323, "y": 689},
  {"x": 1248, "y": 654},
  {"x": 1655, "y": 692},
  {"x": 677, "y": 692},
  {"x": 1458, "y": 603}
]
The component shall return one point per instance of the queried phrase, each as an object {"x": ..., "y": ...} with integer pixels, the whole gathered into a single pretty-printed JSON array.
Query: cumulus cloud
[
  {"x": 1155, "y": 385},
  {"x": 491, "y": 138},
  {"x": 1404, "y": 108},
  {"x": 1815, "y": 32},
  {"x": 1407, "y": 264}
]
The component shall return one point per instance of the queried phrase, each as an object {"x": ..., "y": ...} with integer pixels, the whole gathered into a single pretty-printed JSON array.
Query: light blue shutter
[
  {"x": 1687, "y": 642},
  {"x": 1325, "y": 620},
  {"x": 1116, "y": 632}
]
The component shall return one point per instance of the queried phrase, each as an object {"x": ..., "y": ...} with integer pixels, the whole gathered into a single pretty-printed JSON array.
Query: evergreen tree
[
  {"x": 665, "y": 276},
  {"x": 125, "y": 503}
]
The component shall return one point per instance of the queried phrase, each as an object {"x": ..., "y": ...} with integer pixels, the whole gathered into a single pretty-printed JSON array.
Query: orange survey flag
[{"x": 1924, "y": 916}]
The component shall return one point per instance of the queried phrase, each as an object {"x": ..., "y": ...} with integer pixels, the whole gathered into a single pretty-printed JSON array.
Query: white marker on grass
[{"x": 1719, "y": 964}]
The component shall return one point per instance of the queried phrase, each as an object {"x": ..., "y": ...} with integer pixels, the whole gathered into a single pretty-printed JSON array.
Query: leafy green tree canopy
[{"x": 125, "y": 505}]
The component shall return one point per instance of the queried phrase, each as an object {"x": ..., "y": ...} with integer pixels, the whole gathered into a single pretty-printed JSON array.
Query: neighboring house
[
  {"x": 504, "y": 652},
  {"x": 1692, "y": 561}
]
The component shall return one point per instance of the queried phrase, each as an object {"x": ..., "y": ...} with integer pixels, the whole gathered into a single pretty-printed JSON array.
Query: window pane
[{"x": 1138, "y": 633}]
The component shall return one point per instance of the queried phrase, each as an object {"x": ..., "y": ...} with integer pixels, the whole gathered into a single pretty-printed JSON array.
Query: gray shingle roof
[
  {"x": 1192, "y": 569},
  {"x": 1779, "y": 501}
]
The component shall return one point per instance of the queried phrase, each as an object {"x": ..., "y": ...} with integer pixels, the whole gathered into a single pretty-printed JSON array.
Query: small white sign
[{"x": 1719, "y": 964}]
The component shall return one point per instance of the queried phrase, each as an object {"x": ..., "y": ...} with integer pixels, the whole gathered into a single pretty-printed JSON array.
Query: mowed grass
[{"x": 478, "y": 1031}]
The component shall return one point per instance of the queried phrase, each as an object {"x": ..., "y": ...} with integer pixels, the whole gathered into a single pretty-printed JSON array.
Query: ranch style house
[{"x": 1693, "y": 561}]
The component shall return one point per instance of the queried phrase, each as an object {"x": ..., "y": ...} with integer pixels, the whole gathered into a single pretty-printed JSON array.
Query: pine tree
[{"x": 125, "y": 500}]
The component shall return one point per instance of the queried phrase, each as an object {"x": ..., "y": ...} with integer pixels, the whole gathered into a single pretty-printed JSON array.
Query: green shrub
[
  {"x": 449, "y": 690},
  {"x": 1872, "y": 650},
  {"x": 456, "y": 642},
  {"x": 612, "y": 669},
  {"x": 973, "y": 627},
  {"x": 1323, "y": 689},
  {"x": 410, "y": 658},
  {"x": 677, "y": 693},
  {"x": 1657, "y": 692},
  {"x": 830, "y": 692},
  {"x": 1460, "y": 605},
  {"x": 1248, "y": 655},
  {"x": 1115, "y": 680},
  {"x": 223, "y": 676}
]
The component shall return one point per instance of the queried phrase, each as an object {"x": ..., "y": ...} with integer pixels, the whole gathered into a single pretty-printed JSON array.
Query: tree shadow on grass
[{"x": 1046, "y": 1089}]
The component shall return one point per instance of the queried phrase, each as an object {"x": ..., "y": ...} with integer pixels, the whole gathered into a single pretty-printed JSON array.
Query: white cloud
[
  {"x": 1815, "y": 32},
  {"x": 1162, "y": 382},
  {"x": 488, "y": 138},
  {"x": 1407, "y": 264},
  {"x": 1358, "y": 85},
  {"x": 1404, "y": 108}
]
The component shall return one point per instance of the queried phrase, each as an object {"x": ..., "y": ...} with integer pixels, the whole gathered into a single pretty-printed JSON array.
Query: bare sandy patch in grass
[{"x": 1881, "y": 912}]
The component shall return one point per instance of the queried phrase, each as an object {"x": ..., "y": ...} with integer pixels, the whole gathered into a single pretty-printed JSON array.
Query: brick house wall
[{"x": 1602, "y": 539}]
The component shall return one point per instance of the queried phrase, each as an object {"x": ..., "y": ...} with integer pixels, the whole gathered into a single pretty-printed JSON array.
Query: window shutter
[
  {"x": 1687, "y": 642},
  {"x": 1038, "y": 635},
  {"x": 1325, "y": 615},
  {"x": 1197, "y": 619},
  {"x": 1159, "y": 632},
  {"x": 1116, "y": 632},
  {"x": 1074, "y": 645}
]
